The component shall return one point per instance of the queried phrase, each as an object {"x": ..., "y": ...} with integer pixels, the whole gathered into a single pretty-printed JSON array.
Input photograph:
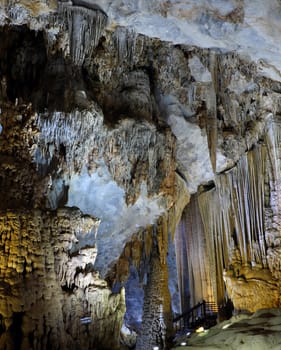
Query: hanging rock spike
[{"x": 85, "y": 23}]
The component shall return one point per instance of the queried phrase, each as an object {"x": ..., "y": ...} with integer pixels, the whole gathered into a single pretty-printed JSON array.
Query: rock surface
[
  {"x": 51, "y": 297},
  {"x": 159, "y": 119},
  {"x": 260, "y": 331}
]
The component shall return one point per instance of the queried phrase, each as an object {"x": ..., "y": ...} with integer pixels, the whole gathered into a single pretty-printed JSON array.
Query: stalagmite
[{"x": 156, "y": 319}]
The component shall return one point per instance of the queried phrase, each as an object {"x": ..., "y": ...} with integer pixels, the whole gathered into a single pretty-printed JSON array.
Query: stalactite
[
  {"x": 86, "y": 140},
  {"x": 70, "y": 130},
  {"x": 199, "y": 251},
  {"x": 211, "y": 232},
  {"x": 211, "y": 104},
  {"x": 273, "y": 139},
  {"x": 232, "y": 227},
  {"x": 192, "y": 92},
  {"x": 273, "y": 213},
  {"x": 125, "y": 42},
  {"x": 182, "y": 265},
  {"x": 243, "y": 187},
  {"x": 241, "y": 193},
  {"x": 85, "y": 26}
]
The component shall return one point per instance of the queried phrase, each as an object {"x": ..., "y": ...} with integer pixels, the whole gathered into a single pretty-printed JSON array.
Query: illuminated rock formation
[
  {"x": 139, "y": 163},
  {"x": 231, "y": 230},
  {"x": 49, "y": 286}
]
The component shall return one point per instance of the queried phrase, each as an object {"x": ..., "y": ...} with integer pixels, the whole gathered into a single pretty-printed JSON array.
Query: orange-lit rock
[{"x": 48, "y": 283}]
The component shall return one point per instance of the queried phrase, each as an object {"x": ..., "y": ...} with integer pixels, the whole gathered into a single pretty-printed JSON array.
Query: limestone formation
[
  {"x": 51, "y": 297},
  {"x": 138, "y": 165}
]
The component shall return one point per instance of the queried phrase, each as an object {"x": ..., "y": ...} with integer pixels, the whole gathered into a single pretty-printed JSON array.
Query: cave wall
[
  {"x": 153, "y": 139},
  {"x": 234, "y": 221},
  {"x": 64, "y": 146},
  {"x": 49, "y": 286}
]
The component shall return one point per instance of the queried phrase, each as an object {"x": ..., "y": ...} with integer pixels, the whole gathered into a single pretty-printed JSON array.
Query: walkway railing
[{"x": 203, "y": 314}]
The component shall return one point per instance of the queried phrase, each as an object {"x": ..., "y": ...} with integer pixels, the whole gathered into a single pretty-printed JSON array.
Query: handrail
[
  {"x": 189, "y": 311},
  {"x": 201, "y": 313}
]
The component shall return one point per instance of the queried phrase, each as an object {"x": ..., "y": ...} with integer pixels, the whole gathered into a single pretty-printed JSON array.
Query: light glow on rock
[{"x": 200, "y": 329}]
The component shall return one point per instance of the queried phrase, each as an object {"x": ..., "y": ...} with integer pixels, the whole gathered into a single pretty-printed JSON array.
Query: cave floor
[{"x": 258, "y": 331}]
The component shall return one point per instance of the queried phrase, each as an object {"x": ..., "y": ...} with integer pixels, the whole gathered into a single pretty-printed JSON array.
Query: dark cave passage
[
  {"x": 29, "y": 75},
  {"x": 22, "y": 61}
]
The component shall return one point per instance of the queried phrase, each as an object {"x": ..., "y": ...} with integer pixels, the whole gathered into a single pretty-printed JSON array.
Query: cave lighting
[
  {"x": 155, "y": 348},
  {"x": 226, "y": 326},
  {"x": 183, "y": 344},
  {"x": 200, "y": 330},
  {"x": 85, "y": 320}
]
